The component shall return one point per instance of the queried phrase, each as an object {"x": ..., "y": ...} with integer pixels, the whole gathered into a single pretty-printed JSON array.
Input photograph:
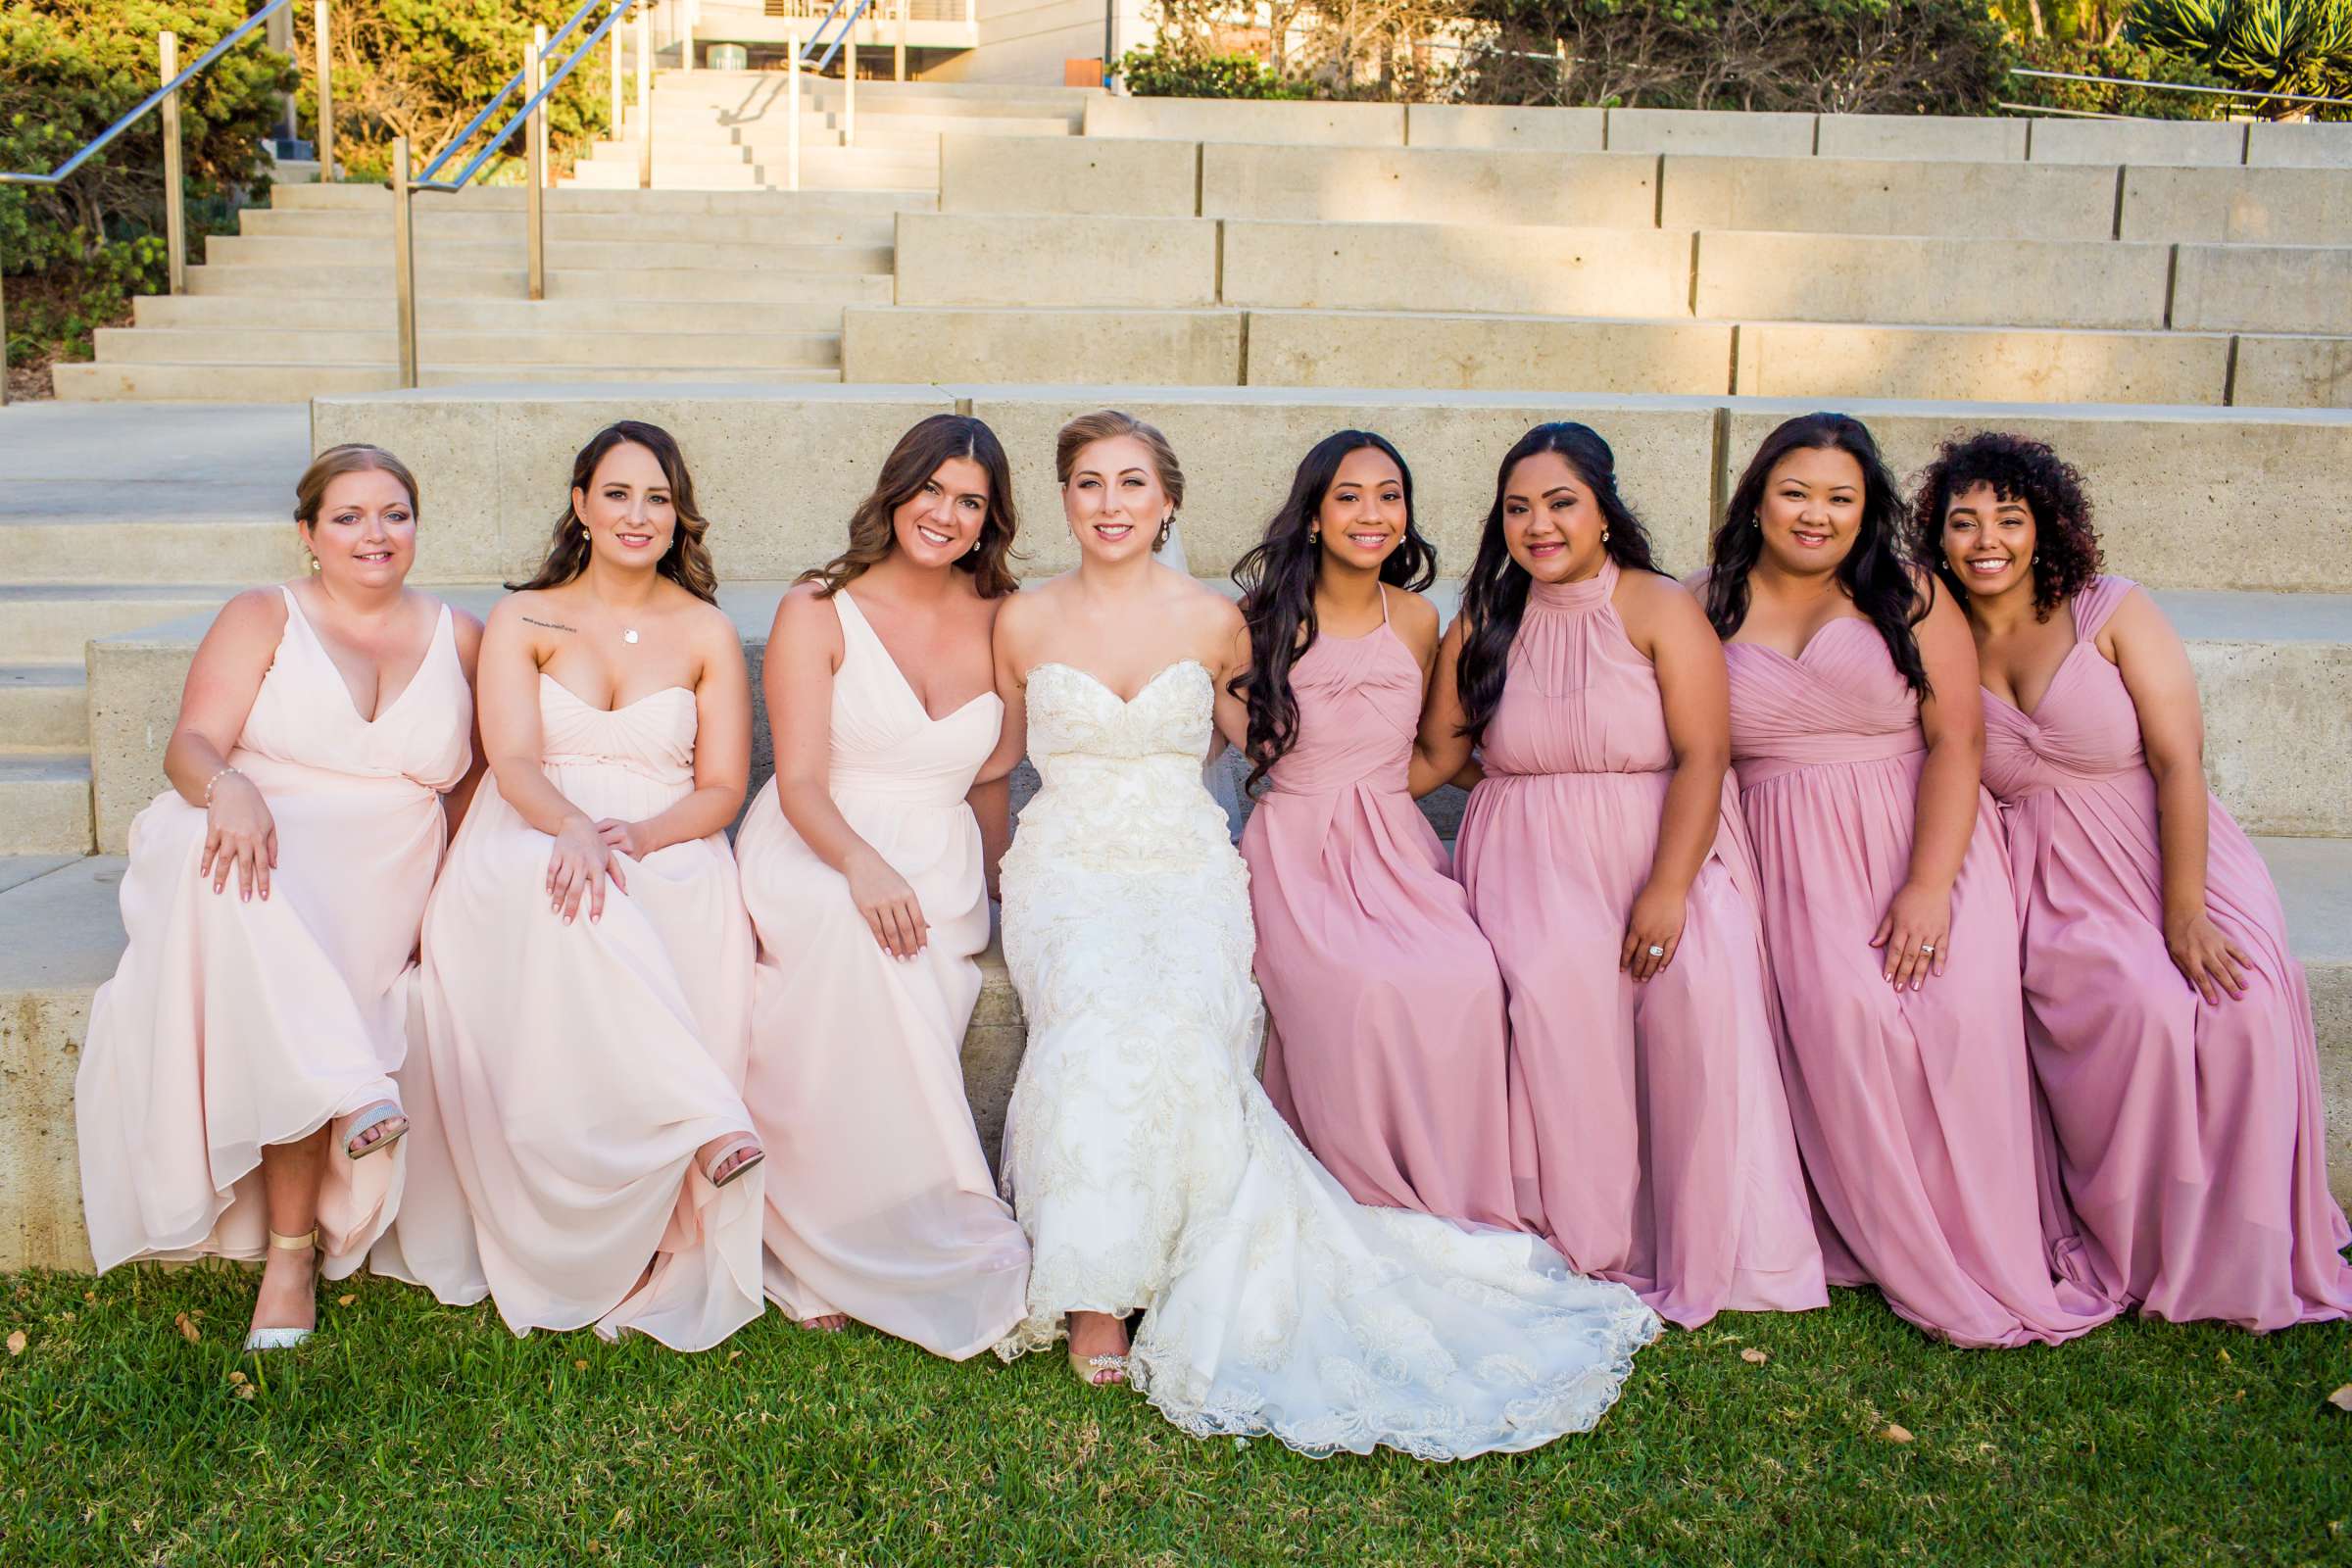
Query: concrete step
[
  {"x": 864, "y": 226},
  {"x": 680, "y": 284},
  {"x": 134, "y": 549},
  {"x": 298, "y": 382},
  {"x": 566, "y": 201},
  {"x": 68, "y": 915},
  {"x": 44, "y": 803},
  {"x": 291, "y": 251},
  {"x": 43, "y": 708},
  {"x": 608, "y": 348},
  {"x": 580, "y": 317},
  {"x": 53, "y": 623}
]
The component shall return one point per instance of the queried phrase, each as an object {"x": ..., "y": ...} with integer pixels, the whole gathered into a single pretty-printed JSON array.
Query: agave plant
[{"x": 2287, "y": 46}]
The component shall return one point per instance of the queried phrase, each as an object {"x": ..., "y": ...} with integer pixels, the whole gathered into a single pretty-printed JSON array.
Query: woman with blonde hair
[
  {"x": 587, "y": 960},
  {"x": 863, "y": 869},
  {"x": 236, "y": 1091}
]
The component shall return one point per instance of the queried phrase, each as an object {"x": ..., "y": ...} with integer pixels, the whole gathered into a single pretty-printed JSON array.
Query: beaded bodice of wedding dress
[{"x": 1151, "y": 1172}]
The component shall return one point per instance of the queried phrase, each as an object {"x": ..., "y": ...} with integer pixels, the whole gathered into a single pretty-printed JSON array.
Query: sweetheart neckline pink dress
[
  {"x": 1912, "y": 1109},
  {"x": 231, "y": 1025},
  {"x": 880, "y": 1204},
  {"x": 2188, "y": 1136},
  {"x": 568, "y": 1074},
  {"x": 1649, "y": 1127},
  {"x": 1388, "y": 1051}
]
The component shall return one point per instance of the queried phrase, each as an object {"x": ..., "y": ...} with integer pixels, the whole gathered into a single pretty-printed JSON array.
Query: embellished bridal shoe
[
  {"x": 1098, "y": 1371},
  {"x": 283, "y": 1338}
]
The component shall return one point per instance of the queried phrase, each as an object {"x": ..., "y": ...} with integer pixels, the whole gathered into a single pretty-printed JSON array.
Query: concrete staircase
[
  {"x": 2167, "y": 307},
  {"x": 664, "y": 286},
  {"x": 730, "y": 130}
]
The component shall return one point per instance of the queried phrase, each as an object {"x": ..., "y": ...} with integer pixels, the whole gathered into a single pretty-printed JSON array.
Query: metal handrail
[
  {"x": 2178, "y": 87},
  {"x": 817, "y": 34},
  {"x": 424, "y": 179},
  {"x": 847, "y": 28},
  {"x": 64, "y": 170},
  {"x": 845, "y": 33}
]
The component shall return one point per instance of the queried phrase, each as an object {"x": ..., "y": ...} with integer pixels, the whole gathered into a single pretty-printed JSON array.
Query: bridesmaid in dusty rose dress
[
  {"x": 1387, "y": 1050},
  {"x": 864, "y": 867},
  {"x": 235, "y": 1095},
  {"x": 1604, "y": 860},
  {"x": 587, "y": 962},
  {"x": 2170, "y": 1025},
  {"x": 1886, "y": 905}
]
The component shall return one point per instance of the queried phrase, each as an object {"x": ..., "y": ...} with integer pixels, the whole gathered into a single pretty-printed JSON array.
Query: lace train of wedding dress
[{"x": 1150, "y": 1171}]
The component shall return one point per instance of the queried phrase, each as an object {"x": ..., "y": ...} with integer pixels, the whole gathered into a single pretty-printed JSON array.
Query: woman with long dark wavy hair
[
  {"x": 1388, "y": 1048},
  {"x": 2169, "y": 1022},
  {"x": 1602, "y": 858},
  {"x": 1857, "y": 737},
  {"x": 587, "y": 962},
  {"x": 865, "y": 870}
]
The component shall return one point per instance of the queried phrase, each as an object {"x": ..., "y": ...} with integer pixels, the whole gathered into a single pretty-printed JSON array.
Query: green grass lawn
[{"x": 410, "y": 1433}]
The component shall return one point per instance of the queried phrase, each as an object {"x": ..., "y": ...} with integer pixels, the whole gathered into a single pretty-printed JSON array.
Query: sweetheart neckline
[
  {"x": 1105, "y": 688},
  {"x": 1799, "y": 658},
  {"x": 658, "y": 691}
]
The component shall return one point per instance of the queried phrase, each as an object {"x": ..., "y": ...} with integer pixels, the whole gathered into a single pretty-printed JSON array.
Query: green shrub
[
  {"x": 2123, "y": 60},
  {"x": 2288, "y": 46},
  {"x": 1165, "y": 72},
  {"x": 76, "y": 253}
]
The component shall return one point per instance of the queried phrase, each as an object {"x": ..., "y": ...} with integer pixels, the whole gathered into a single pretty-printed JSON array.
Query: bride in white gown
[{"x": 1149, "y": 1169}]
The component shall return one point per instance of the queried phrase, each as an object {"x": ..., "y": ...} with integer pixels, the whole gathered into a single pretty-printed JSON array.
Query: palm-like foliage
[{"x": 2288, "y": 46}]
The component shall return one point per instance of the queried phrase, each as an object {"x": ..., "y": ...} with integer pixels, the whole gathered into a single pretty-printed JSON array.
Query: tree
[{"x": 421, "y": 69}]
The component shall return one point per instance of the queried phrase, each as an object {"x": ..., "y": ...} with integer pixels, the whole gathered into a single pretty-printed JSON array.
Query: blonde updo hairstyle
[
  {"x": 352, "y": 457},
  {"x": 1104, "y": 425}
]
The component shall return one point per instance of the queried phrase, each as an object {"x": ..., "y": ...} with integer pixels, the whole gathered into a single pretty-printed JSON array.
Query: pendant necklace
[{"x": 628, "y": 634}]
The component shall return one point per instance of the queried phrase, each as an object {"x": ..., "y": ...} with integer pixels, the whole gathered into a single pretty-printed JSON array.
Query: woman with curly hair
[
  {"x": 1389, "y": 1047},
  {"x": 2170, "y": 1025},
  {"x": 587, "y": 962},
  {"x": 1858, "y": 738}
]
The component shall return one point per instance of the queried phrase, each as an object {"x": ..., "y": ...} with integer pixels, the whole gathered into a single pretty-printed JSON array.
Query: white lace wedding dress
[{"x": 1150, "y": 1171}]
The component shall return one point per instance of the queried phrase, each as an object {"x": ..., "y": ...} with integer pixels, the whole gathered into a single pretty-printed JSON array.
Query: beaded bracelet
[{"x": 214, "y": 780}]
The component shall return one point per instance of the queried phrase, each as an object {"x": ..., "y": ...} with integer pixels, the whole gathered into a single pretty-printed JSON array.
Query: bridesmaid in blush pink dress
[
  {"x": 1603, "y": 859},
  {"x": 2170, "y": 1024},
  {"x": 1388, "y": 1052},
  {"x": 587, "y": 960},
  {"x": 235, "y": 1095},
  {"x": 1886, "y": 901},
  {"x": 864, "y": 867}
]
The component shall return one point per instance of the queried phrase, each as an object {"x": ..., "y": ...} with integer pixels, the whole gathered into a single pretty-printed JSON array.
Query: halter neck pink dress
[
  {"x": 1388, "y": 1050},
  {"x": 1912, "y": 1109},
  {"x": 880, "y": 1204},
  {"x": 2190, "y": 1136},
  {"x": 573, "y": 1071},
  {"x": 233, "y": 1025},
  {"x": 1649, "y": 1128}
]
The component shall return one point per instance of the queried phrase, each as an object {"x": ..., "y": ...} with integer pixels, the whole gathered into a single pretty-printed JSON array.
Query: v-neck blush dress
[
  {"x": 2190, "y": 1135},
  {"x": 880, "y": 1204},
  {"x": 571, "y": 1073},
  {"x": 1914, "y": 1108},
  {"x": 233, "y": 1025},
  {"x": 1649, "y": 1127},
  {"x": 1389, "y": 1048}
]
